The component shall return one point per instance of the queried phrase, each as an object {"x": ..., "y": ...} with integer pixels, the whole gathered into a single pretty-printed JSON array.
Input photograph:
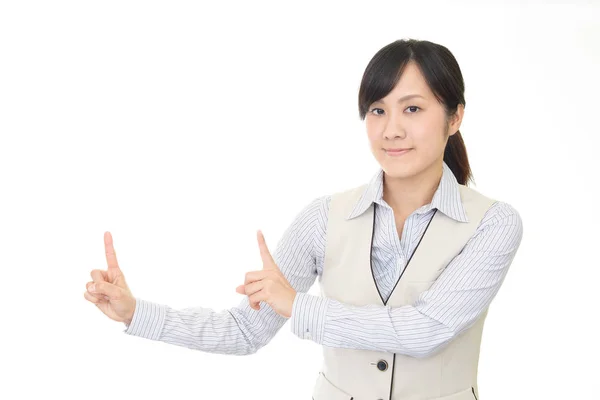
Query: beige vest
[{"x": 450, "y": 373}]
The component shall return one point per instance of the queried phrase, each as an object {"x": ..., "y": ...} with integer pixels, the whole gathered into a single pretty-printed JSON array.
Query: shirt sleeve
[
  {"x": 239, "y": 330},
  {"x": 452, "y": 304}
]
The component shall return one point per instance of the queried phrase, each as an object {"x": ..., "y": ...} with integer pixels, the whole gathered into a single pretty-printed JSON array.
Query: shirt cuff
[
  {"x": 308, "y": 316},
  {"x": 148, "y": 319}
]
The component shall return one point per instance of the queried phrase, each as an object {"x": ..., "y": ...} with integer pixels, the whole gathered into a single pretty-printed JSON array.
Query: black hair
[{"x": 443, "y": 76}]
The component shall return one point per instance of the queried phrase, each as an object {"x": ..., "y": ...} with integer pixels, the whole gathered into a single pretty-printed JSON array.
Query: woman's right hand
[{"x": 108, "y": 289}]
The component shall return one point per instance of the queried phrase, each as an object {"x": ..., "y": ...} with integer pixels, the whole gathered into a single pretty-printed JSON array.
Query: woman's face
[{"x": 417, "y": 123}]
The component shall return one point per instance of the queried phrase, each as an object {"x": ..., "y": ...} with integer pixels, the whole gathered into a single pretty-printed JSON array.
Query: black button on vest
[{"x": 382, "y": 365}]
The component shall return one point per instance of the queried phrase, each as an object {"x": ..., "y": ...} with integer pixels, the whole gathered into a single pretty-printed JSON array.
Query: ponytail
[{"x": 455, "y": 156}]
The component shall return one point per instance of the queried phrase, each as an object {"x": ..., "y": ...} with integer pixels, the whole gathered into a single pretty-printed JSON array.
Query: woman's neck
[{"x": 410, "y": 194}]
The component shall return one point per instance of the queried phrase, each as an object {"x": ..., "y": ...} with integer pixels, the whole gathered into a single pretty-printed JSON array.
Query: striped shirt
[{"x": 463, "y": 290}]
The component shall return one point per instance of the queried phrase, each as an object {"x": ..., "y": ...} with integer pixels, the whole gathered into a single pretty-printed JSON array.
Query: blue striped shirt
[{"x": 453, "y": 303}]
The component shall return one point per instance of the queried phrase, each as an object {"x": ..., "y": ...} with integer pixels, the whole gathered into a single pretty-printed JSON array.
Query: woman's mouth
[{"x": 396, "y": 152}]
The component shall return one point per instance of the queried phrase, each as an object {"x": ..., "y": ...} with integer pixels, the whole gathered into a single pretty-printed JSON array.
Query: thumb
[{"x": 108, "y": 289}]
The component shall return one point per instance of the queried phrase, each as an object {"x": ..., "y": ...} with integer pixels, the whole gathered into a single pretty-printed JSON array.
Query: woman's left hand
[{"x": 268, "y": 285}]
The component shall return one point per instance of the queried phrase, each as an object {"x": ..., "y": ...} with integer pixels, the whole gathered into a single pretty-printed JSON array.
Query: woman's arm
[
  {"x": 239, "y": 330},
  {"x": 453, "y": 303}
]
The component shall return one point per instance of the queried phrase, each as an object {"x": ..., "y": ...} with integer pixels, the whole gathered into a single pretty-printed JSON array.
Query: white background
[{"x": 183, "y": 128}]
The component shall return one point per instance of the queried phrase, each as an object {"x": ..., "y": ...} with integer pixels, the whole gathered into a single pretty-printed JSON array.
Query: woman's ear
[{"x": 456, "y": 120}]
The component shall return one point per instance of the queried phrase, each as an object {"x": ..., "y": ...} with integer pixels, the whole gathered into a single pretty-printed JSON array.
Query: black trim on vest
[
  {"x": 407, "y": 264},
  {"x": 473, "y": 389},
  {"x": 392, "y": 380},
  {"x": 377, "y": 287},
  {"x": 371, "y": 255}
]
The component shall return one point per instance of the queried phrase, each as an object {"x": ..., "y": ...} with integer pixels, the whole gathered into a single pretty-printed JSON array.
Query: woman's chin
[{"x": 397, "y": 171}]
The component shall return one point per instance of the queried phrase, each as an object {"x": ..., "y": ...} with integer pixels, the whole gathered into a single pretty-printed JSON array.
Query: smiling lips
[{"x": 396, "y": 152}]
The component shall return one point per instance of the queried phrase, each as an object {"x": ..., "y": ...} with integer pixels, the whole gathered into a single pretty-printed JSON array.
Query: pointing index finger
[
  {"x": 264, "y": 251},
  {"x": 111, "y": 256}
]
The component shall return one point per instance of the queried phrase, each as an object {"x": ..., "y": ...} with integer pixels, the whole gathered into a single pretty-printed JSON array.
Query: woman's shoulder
[
  {"x": 315, "y": 210},
  {"x": 502, "y": 220},
  {"x": 319, "y": 206},
  {"x": 503, "y": 211},
  {"x": 498, "y": 211},
  {"x": 322, "y": 203}
]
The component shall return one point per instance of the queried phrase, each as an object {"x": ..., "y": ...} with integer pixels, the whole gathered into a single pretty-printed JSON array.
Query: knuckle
[{"x": 91, "y": 299}]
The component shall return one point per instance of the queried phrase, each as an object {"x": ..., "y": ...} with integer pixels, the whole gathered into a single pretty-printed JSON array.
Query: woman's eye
[{"x": 412, "y": 108}]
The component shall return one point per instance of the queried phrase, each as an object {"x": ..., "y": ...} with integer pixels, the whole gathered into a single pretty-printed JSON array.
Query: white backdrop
[{"x": 183, "y": 128}]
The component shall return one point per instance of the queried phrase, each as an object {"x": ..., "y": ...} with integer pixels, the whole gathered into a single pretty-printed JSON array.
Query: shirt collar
[{"x": 446, "y": 197}]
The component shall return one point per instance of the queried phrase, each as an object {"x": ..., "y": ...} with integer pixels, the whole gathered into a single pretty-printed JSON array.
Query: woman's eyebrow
[{"x": 401, "y": 99}]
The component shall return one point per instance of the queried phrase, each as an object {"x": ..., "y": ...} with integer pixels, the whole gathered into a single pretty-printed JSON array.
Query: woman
[{"x": 408, "y": 263}]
